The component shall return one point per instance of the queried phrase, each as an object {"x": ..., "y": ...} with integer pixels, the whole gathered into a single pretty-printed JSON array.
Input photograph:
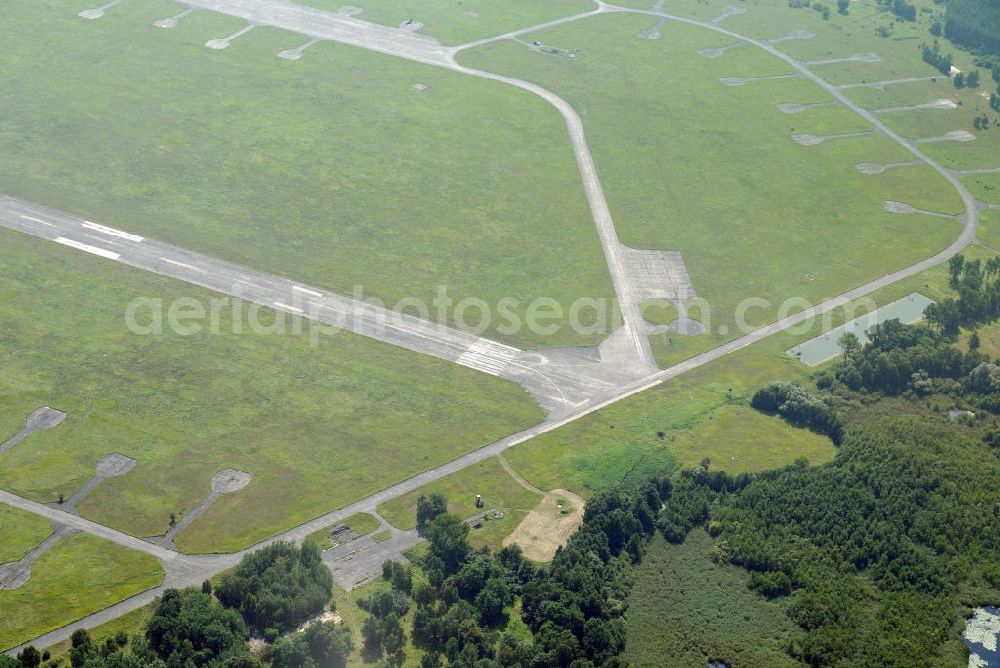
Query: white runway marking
[
  {"x": 307, "y": 291},
  {"x": 37, "y": 220},
  {"x": 252, "y": 285},
  {"x": 181, "y": 264},
  {"x": 110, "y": 231},
  {"x": 105, "y": 241},
  {"x": 111, "y": 255},
  {"x": 286, "y": 307},
  {"x": 488, "y": 356}
]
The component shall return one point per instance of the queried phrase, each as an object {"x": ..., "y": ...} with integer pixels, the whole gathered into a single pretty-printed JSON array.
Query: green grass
[
  {"x": 22, "y": 532},
  {"x": 382, "y": 535},
  {"x": 985, "y": 187},
  {"x": 487, "y": 479},
  {"x": 718, "y": 176},
  {"x": 331, "y": 170},
  {"x": 686, "y": 610},
  {"x": 361, "y": 523},
  {"x": 659, "y": 311},
  {"x": 457, "y": 21},
  {"x": 702, "y": 413},
  {"x": 81, "y": 574},
  {"x": 989, "y": 229},
  {"x": 131, "y": 623},
  {"x": 333, "y": 422}
]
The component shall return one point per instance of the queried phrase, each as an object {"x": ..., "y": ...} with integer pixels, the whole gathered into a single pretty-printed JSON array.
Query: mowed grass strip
[
  {"x": 457, "y": 21},
  {"x": 316, "y": 426},
  {"x": 348, "y": 169},
  {"x": 81, "y": 574},
  {"x": 22, "y": 532},
  {"x": 712, "y": 171}
]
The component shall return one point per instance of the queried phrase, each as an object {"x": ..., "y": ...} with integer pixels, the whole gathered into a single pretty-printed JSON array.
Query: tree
[
  {"x": 30, "y": 657},
  {"x": 393, "y": 640},
  {"x": 278, "y": 586},
  {"x": 188, "y": 625},
  {"x": 849, "y": 343},
  {"x": 329, "y": 644},
  {"x": 371, "y": 632},
  {"x": 842, "y": 6},
  {"x": 974, "y": 341},
  {"x": 428, "y": 508},
  {"x": 955, "y": 265},
  {"x": 447, "y": 536}
]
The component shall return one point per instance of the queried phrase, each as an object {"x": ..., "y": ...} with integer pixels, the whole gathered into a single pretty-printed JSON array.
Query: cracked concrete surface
[
  {"x": 110, "y": 466},
  {"x": 934, "y": 104},
  {"x": 42, "y": 418},
  {"x": 225, "y": 481},
  {"x": 718, "y": 51},
  {"x": 742, "y": 81},
  {"x": 954, "y": 135},
  {"x": 795, "y": 108},
  {"x": 813, "y": 140}
]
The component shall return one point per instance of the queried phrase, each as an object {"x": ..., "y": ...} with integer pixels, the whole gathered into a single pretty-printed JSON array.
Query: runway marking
[
  {"x": 286, "y": 307},
  {"x": 181, "y": 264},
  {"x": 488, "y": 356},
  {"x": 111, "y": 255},
  {"x": 253, "y": 285},
  {"x": 104, "y": 241},
  {"x": 104, "y": 229},
  {"x": 37, "y": 220},
  {"x": 307, "y": 291}
]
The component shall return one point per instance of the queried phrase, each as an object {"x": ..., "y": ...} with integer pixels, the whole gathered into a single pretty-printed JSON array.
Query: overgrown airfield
[{"x": 347, "y": 167}]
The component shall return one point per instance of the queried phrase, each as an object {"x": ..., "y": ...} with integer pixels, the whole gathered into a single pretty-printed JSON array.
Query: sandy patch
[{"x": 548, "y": 526}]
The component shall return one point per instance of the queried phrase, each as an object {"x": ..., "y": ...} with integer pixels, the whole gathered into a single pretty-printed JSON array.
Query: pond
[
  {"x": 825, "y": 347},
  {"x": 980, "y": 636}
]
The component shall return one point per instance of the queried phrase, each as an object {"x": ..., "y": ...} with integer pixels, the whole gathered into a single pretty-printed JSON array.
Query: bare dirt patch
[{"x": 548, "y": 526}]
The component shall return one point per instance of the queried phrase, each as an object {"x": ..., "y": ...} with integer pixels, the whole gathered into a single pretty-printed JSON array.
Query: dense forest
[
  {"x": 974, "y": 24},
  {"x": 881, "y": 551}
]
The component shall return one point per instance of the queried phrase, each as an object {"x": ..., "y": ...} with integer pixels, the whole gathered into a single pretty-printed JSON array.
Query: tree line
[{"x": 272, "y": 591}]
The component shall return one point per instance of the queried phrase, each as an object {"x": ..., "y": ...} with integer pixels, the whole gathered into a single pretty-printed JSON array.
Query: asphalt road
[{"x": 190, "y": 570}]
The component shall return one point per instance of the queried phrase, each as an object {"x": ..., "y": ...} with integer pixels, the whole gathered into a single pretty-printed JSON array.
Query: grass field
[
  {"x": 700, "y": 414},
  {"x": 457, "y": 21},
  {"x": 79, "y": 575},
  {"x": 332, "y": 170},
  {"x": 22, "y": 532},
  {"x": 985, "y": 187},
  {"x": 333, "y": 422},
  {"x": 488, "y": 479},
  {"x": 685, "y": 610},
  {"x": 683, "y": 182},
  {"x": 989, "y": 229}
]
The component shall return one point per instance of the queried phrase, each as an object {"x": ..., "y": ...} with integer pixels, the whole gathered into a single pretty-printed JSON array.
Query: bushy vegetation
[
  {"x": 878, "y": 546},
  {"x": 880, "y": 549},
  {"x": 573, "y": 609},
  {"x": 797, "y": 405},
  {"x": 320, "y": 645},
  {"x": 278, "y": 586},
  {"x": 188, "y": 626}
]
